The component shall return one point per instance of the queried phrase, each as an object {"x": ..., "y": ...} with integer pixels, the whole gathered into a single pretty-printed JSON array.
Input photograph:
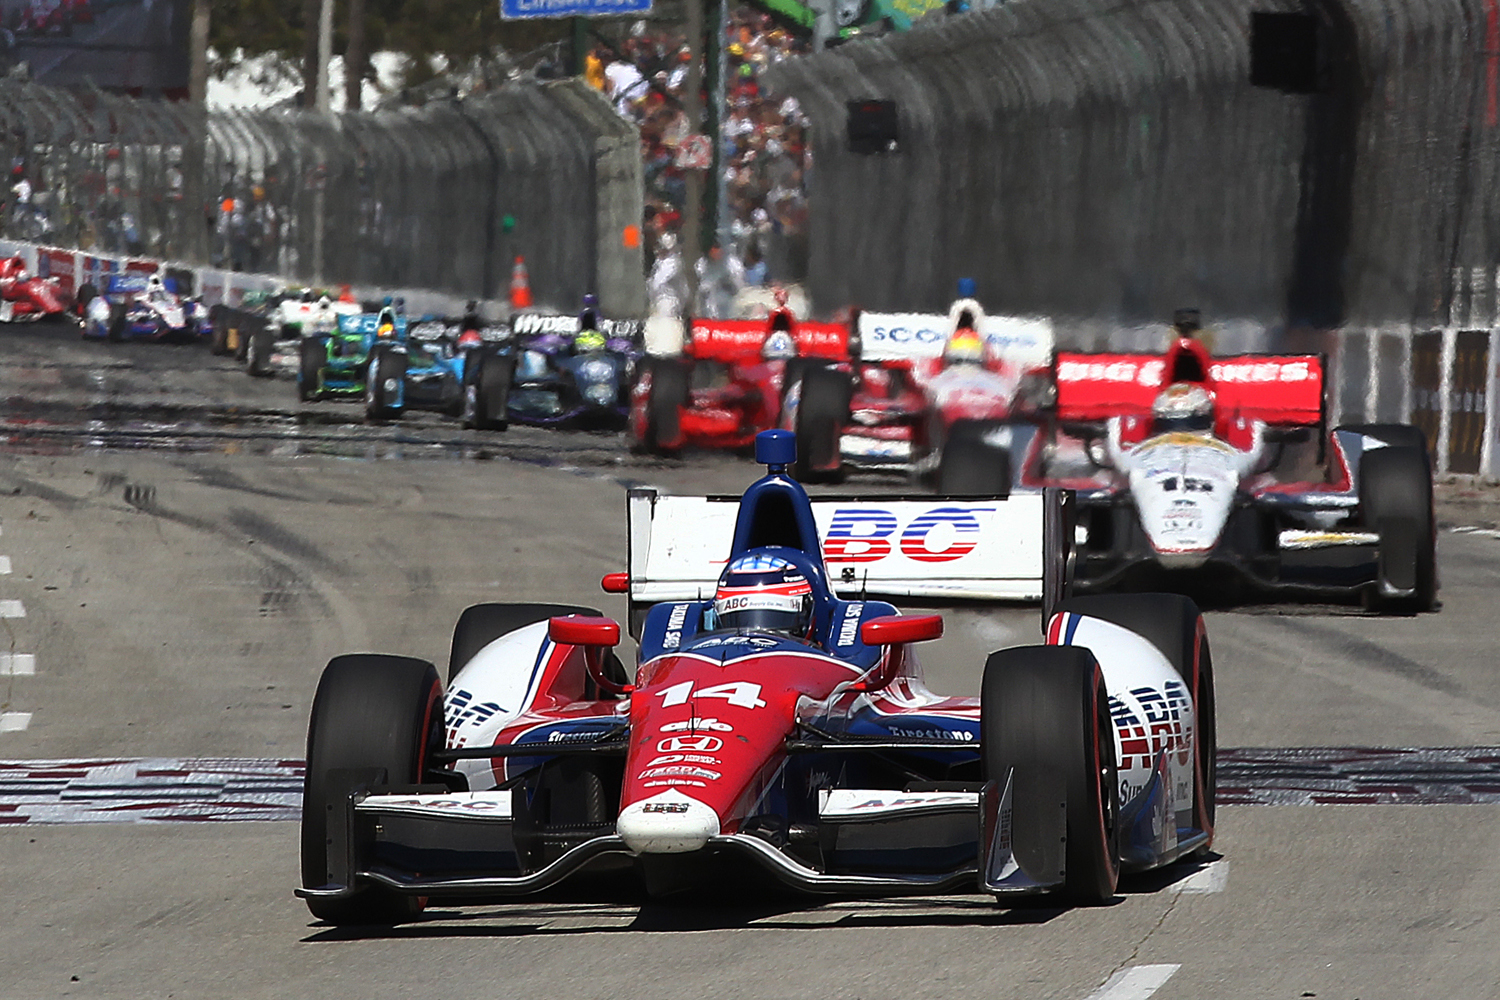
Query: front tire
[
  {"x": 822, "y": 412},
  {"x": 312, "y": 355},
  {"x": 486, "y": 400},
  {"x": 1395, "y": 496},
  {"x": 383, "y": 401},
  {"x": 970, "y": 465},
  {"x": 1044, "y": 720},
  {"x": 371, "y": 712},
  {"x": 669, "y": 394},
  {"x": 258, "y": 354}
]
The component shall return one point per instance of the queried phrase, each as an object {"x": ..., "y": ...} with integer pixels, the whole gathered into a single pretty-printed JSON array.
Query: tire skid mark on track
[{"x": 169, "y": 789}]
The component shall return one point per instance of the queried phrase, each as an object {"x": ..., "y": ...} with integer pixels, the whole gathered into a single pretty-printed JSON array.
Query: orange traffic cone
[{"x": 520, "y": 286}]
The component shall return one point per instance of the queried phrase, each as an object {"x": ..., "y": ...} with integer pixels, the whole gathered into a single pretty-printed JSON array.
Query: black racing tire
[
  {"x": 822, "y": 413},
  {"x": 218, "y": 321},
  {"x": 86, "y": 294},
  {"x": 117, "y": 321},
  {"x": 258, "y": 353},
  {"x": 312, "y": 356},
  {"x": 370, "y": 712},
  {"x": 1395, "y": 497},
  {"x": 482, "y": 624},
  {"x": 1044, "y": 718},
  {"x": 1173, "y": 624},
  {"x": 971, "y": 466},
  {"x": 385, "y": 365},
  {"x": 669, "y": 394},
  {"x": 486, "y": 390}
]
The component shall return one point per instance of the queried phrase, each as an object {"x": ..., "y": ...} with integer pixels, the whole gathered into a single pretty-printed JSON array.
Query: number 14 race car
[{"x": 777, "y": 723}]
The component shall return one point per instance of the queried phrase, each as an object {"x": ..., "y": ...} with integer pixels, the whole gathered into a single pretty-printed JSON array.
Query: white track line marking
[
  {"x": 17, "y": 664},
  {"x": 12, "y": 609},
  {"x": 14, "y": 722},
  {"x": 1210, "y": 878},
  {"x": 1135, "y": 983},
  {"x": 4, "y": 565},
  {"x": 1474, "y": 530}
]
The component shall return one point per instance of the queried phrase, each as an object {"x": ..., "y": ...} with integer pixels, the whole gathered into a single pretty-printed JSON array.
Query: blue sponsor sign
[{"x": 571, "y": 8}]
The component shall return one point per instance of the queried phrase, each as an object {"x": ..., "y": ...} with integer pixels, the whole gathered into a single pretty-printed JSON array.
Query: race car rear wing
[
  {"x": 1024, "y": 341},
  {"x": 736, "y": 341},
  {"x": 1277, "y": 389},
  {"x": 971, "y": 549}
]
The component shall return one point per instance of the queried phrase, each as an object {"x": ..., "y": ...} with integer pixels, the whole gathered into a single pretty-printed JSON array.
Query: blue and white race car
[{"x": 144, "y": 307}]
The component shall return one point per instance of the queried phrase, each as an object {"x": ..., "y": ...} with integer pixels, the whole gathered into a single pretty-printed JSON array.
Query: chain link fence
[
  {"x": 1111, "y": 162},
  {"x": 445, "y": 196}
]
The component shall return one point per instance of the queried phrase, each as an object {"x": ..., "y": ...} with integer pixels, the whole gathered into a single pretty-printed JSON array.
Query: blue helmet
[{"x": 764, "y": 592}]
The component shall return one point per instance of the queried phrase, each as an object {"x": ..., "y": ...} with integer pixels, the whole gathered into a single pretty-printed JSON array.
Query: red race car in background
[
  {"x": 729, "y": 382},
  {"x": 924, "y": 395},
  {"x": 1220, "y": 474},
  {"x": 25, "y": 298}
]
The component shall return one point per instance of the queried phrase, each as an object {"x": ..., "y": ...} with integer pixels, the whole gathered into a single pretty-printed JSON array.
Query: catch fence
[
  {"x": 1104, "y": 163},
  {"x": 444, "y": 196}
]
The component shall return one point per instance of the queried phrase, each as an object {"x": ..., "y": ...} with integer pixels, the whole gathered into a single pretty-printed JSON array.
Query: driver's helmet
[
  {"x": 1182, "y": 406},
  {"x": 765, "y": 593},
  {"x": 588, "y": 340},
  {"x": 154, "y": 286},
  {"x": 324, "y": 304},
  {"x": 964, "y": 347}
]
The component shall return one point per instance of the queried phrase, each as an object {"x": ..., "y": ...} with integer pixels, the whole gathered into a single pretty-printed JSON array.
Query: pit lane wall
[{"x": 442, "y": 197}]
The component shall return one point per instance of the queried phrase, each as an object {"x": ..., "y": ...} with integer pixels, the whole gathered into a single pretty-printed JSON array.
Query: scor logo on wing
[{"x": 856, "y": 536}]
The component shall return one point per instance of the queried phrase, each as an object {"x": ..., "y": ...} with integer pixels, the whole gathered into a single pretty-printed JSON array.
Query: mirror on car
[
  {"x": 584, "y": 630},
  {"x": 893, "y": 630}
]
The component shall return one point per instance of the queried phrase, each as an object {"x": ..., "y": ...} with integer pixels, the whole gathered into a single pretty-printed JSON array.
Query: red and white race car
[
  {"x": 25, "y": 298},
  {"x": 920, "y": 396},
  {"x": 729, "y": 382},
  {"x": 1219, "y": 472}
]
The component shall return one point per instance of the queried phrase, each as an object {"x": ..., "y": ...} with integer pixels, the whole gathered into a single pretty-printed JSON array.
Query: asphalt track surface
[{"x": 188, "y": 546}]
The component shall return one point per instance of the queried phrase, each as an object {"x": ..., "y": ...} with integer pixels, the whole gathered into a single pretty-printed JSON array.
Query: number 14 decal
[{"x": 741, "y": 693}]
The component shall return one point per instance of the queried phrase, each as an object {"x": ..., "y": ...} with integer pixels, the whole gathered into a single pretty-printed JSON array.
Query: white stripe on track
[
  {"x": 1135, "y": 983},
  {"x": 1209, "y": 878},
  {"x": 14, "y": 722},
  {"x": 17, "y": 664},
  {"x": 4, "y": 565},
  {"x": 12, "y": 609}
]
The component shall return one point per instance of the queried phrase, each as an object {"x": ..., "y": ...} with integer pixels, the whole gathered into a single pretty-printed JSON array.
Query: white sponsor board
[
  {"x": 940, "y": 548},
  {"x": 1020, "y": 340}
]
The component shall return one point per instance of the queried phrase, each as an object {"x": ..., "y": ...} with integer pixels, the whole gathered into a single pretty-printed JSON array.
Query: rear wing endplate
[{"x": 932, "y": 548}]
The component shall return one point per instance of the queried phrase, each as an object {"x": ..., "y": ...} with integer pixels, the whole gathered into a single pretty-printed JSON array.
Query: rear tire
[
  {"x": 382, "y": 403},
  {"x": 117, "y": 321},
  {"x": 312, "y": 355},
  {"x": 218, "y": 343},
  {"x": 822, "y": 412},
  {"x": 486, "y": 389},
  {"x": 370, "y": 712},
  {"x": 482, "y": 624},
  {"x": 1044, "y": 718},
  {"x": 1395, "y": 495},
  {"x": 669, "y": 394},
  {"x": 1174, "y": 625},
  {"x": 970, "y": 465}
]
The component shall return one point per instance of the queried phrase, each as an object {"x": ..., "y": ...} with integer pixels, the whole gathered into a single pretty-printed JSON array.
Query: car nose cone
[{"x": 668, "y": 823}]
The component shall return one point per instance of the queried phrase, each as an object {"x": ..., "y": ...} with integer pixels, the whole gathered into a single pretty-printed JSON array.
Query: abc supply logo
[{"x": 942, "y": 534}]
